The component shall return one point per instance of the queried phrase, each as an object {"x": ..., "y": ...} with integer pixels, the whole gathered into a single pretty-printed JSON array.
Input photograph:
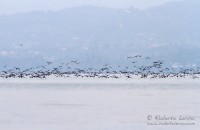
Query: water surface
[{"x": 100, "y": 105}]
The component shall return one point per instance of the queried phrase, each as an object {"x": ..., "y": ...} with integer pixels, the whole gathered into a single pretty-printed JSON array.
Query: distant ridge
[{"x": 101, "y": 35}]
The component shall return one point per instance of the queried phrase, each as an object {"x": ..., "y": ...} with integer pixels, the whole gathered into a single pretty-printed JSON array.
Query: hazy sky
[{"x": 14, "y": 6}]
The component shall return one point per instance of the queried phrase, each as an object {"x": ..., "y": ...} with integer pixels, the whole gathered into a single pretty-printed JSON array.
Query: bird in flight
[
  {"x": 48, "y": 62},
  {"x": 148, "y": 58}
]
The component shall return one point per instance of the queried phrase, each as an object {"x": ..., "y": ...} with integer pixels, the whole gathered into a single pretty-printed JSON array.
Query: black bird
[
  {"x": 48, "y": 62},
  {"x": 76, "y": 62}
]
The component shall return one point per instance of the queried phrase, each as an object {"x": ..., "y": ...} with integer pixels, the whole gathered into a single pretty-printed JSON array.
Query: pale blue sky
[{"x": 15, "y": 6}]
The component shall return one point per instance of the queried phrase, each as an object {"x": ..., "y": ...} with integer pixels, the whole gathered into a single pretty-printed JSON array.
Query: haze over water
[{"x": 99, "y": 65}]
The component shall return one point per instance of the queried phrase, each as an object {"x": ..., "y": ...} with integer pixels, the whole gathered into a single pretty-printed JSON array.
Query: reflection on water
[{"x": 95, "y": 106}]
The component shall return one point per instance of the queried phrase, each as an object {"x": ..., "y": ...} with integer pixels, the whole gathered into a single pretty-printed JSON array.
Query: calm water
[{"x": 97, "y": 106}]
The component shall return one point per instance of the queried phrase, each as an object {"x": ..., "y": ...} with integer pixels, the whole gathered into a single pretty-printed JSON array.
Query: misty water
[{"x": 97, "y": 105}]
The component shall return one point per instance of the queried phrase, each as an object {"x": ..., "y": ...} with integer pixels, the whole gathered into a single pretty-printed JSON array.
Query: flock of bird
[{"x": 154, "y": 69}]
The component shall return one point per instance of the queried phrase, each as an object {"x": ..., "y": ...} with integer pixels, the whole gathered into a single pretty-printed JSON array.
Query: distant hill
[{"x": 96, "y": 35}]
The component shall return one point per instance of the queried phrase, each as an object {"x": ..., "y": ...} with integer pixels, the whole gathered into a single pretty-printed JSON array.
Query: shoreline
[{"x": 74, "y": 80}]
